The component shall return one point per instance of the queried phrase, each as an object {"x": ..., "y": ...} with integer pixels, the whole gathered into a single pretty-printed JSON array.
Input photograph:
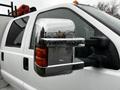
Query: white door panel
[
  {"x": 13, "y": 67},
  {"x": 84, "y": 79}
]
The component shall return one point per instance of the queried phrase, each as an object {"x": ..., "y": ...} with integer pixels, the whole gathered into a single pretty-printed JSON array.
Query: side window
[
  {"x": 104, "y": 50},
  {"x": 15, "y": 34},
  {"x": 82, "y": 28}
]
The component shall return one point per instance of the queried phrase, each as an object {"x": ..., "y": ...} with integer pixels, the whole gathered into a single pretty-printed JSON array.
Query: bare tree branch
[{"x": 111, "y": 8}]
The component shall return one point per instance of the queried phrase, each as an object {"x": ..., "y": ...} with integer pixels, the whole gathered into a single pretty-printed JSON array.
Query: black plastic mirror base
[
  {"x": 61, "y": 70},
  {"x": 101, "y": 61},
  {"x": 50, "y": 72},
  {"x": 103, "y": 53}
]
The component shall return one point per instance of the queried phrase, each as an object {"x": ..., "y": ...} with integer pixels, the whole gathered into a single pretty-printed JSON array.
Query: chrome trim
[
  {"x": 62, "y": 65},
  {"x": 63, "y": 39},
  {"x": 52, "y": 42}
]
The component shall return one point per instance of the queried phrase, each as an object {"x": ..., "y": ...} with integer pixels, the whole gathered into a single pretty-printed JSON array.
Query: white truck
[{"x": 68, "y": 47}]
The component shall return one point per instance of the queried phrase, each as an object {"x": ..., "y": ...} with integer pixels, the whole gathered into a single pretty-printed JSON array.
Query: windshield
[{"x": 108, "y": 20}]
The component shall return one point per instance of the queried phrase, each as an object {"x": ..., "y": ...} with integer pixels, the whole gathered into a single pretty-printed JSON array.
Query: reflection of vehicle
[{"x": 40, "y": 50}]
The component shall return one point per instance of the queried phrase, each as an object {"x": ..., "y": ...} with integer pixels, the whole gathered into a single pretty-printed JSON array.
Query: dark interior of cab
[{"x": 100, "y": 52}]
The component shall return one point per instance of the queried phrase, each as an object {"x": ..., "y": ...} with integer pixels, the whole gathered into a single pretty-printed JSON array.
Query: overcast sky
[{"x": 46, "y": 3}]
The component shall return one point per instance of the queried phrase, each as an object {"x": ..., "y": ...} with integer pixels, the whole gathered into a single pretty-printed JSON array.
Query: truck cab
[{"x": 92, "y": 49}]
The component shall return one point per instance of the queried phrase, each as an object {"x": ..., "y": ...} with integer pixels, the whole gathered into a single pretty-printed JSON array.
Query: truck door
[
  {"x": 12, "y": 52},
  {"x": 86, "y": 79}
]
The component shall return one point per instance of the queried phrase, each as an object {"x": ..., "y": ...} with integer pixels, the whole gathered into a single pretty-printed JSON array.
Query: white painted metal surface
[
  {"x": 3, "y": 23},
  {"x": 86, "y": 79}
]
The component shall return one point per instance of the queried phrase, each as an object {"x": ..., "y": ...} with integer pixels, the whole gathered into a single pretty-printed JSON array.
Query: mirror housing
[{"x": 54, "y": 47}]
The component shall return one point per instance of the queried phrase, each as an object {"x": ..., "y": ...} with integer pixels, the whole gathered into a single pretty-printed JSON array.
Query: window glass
[
  {"x": 108, "y": 20},
  {"x": 16, "y": 32},
  {"x": 82, "y": 28}
]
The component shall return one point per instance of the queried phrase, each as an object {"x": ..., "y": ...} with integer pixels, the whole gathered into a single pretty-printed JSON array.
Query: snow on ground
[{"x": 7, "y": 88}]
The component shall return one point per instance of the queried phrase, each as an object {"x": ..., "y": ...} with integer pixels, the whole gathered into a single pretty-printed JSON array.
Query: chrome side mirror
[{"x": 54, "y": 49}]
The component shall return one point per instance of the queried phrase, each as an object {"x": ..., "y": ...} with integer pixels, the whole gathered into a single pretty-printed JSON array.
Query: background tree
[{"x": 111, "y": 8}]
